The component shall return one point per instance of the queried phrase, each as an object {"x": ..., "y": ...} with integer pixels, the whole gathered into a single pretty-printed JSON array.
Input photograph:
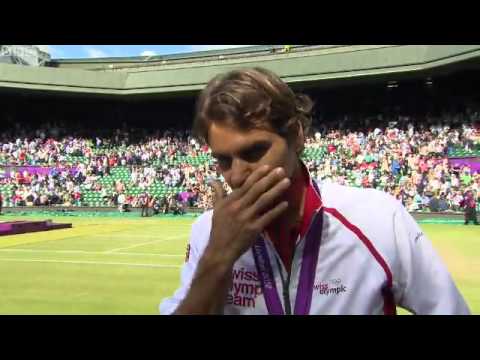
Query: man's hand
[
  {"x": 237, "y": 220},
  {"x": 239, "y": 217}
]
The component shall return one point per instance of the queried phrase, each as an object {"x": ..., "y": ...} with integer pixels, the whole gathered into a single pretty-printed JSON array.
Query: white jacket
[{"x": 371, "y": 257}]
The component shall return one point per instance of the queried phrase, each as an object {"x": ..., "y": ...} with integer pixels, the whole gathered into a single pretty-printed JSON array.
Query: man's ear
[{"x": 299, "y": 138}]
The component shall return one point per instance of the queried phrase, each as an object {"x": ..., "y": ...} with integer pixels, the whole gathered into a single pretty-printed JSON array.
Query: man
[
  {"x": 281, "y": 244},
  {"x": 164, "y": 205},
  {"x": 144, "y": 201},
  {"x": 442, "y": 203},
  {"x": 434, "y": 203},
  {"x": 122, "y": 203},
  {"x": 469, "y": 205},
  {"x": 156, "y": 206},
  {"x": 173, "y": 204}
]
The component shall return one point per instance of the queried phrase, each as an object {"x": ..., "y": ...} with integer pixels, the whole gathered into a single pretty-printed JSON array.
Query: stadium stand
[{"x": 408, "y": 160}]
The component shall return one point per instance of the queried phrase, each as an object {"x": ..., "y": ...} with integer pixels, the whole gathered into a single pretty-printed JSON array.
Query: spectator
[
  {"x": 469, "y": 205},
  {"x": 442, "y": 203},
  {"x": 144, "y": 203}
]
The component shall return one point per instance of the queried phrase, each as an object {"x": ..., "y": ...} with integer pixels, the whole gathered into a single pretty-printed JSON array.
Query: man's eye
[{"x": 256, "y": 153}]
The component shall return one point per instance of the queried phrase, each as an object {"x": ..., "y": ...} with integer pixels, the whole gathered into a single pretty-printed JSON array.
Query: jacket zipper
[{"x": 285, "y": 289}]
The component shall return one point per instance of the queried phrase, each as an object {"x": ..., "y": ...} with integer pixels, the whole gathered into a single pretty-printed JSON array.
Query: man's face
[{"x": 239, "y": 153}]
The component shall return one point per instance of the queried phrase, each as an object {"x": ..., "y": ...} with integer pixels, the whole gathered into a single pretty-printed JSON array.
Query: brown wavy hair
[{"x": 252, "y": 98}]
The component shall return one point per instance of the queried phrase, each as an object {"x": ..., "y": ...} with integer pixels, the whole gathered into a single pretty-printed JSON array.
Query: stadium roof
[
  {"x": 245, "y": 50},
  {"x": 188, "y": 55},
  {"x": 183, "y": 73},
  {"x": 133, "y": 62}
]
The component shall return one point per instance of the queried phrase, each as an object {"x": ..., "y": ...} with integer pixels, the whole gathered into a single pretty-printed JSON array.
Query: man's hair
[{"x": 252, "y": 98}]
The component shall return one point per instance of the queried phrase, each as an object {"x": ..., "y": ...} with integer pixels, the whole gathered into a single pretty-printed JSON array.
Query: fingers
[
  {"x": 219, "y": 192},
  {"x": 263, "y": 221},
  {"x": 251, "y": 180},
  {"x": 263, "y": 185},
  {"x": 268, "y": 199}
]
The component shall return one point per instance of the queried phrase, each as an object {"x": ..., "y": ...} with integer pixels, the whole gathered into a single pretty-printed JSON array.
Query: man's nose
[{"x": 240, "y": 171}]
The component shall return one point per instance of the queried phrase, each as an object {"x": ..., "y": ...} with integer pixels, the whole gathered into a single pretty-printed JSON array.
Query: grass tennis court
[{"x": 127, "y": 264}]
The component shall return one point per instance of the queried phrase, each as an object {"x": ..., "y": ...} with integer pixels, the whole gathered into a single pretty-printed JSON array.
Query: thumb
[{"x": 219, "y": 192}]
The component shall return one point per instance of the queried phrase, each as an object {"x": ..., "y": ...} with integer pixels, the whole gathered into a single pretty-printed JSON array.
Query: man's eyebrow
[{"x": 245, "y": 148}]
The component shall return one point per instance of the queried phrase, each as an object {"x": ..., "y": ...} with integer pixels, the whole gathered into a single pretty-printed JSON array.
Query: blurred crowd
[{"x": 406, "y": 156}]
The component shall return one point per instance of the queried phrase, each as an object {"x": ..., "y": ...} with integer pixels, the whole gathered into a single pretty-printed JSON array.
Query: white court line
[
  {"x": 146, "y": 243},
  {"x": 86, "y": 252},
  {"x": 114, "y": 235},
  {"x": 90, "y": 263},
  {"x": 146, "y": 254}
]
